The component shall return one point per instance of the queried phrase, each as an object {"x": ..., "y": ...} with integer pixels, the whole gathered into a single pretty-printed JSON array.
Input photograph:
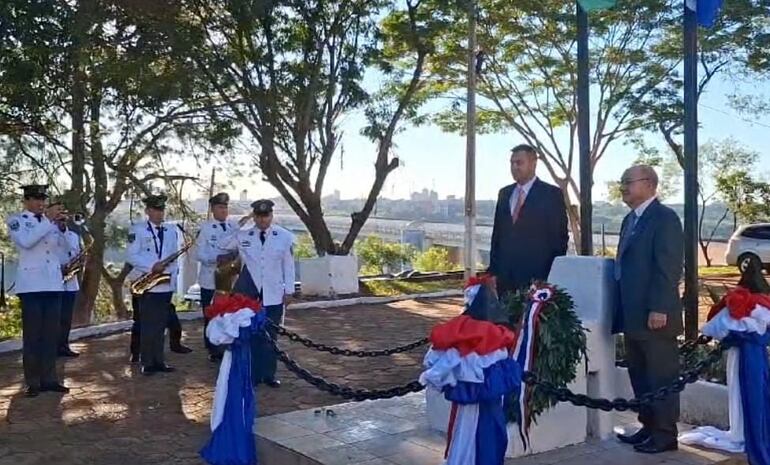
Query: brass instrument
[
  {"x": 227, "y": 271},
  {"x": 152, "y": 279},
  {"x": 76, "y": 264}
]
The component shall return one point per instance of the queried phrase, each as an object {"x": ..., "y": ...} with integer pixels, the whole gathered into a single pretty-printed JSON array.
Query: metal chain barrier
[
  {"x": 294, "y": 337},
  {"x": 558, "y": 393},
  {"x": 621, "y": 405},
  {"x": 335, "y": 389}
]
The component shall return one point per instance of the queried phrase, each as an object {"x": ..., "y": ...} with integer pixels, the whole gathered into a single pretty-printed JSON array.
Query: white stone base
[
  {"x": 329, "y": 276},
  {"x": 561, "y": 426}
]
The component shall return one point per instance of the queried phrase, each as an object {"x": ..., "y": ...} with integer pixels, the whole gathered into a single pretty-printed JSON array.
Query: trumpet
[
  {"x": 152, "y": 279},
  {"x": 73, "y": 267}
]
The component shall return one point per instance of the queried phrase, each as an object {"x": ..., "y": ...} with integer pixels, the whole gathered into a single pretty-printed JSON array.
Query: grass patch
[
  {"x": 396, "y": 287},
  {"x": 706, "y": 271}
]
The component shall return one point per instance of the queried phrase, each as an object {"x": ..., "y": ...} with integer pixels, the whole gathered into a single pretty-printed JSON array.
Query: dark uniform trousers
[
  {"x": 264, "y": 360},
  {"x": 154, "y": 309},
  {"x": 207, "y": 295},
  {"x": 173, "y": 325},
  {"x": 67, "y": 307},
  {"x": 40, "y": 319},
  {"x": 653, "y": 362}
]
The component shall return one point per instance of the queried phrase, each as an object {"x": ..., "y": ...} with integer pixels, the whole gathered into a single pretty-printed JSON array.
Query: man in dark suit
[
  {"x": 530, "y": 228},
  {"x": 648, "y": 268}
]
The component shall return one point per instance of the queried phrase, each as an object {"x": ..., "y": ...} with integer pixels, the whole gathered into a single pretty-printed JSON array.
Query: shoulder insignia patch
[
  {"x": 275, "y": 233},
  {"x": 24, "y": 215},
  {"x": 131, "y": 237},
  {"x": 15, "y": 225}
]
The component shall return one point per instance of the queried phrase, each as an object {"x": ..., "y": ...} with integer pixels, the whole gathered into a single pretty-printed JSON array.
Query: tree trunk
[
  {"x": 84, "y": 304},
  {"x": 116, "y": 288},
  {"x": 704, "y": 247}
]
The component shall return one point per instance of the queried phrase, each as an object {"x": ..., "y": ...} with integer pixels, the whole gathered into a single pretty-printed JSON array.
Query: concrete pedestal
[
  {"x": 329, "y": 276},
  {"x": 589, "y": 281}
]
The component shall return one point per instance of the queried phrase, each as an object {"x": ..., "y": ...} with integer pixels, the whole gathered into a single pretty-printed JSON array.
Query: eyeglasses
[{"x": 628, "y": 182}]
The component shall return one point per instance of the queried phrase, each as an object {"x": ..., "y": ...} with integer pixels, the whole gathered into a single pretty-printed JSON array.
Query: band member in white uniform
[
  {"x": 266, "y": 252},
  {"x": 70, "y": 248},
  {"x": 39, "y": 287},
  {"x": 211, "y": 232},
  {"x": 149, "y": 243}
]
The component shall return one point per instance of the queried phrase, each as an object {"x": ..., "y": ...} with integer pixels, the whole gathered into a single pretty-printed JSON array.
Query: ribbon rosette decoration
[
  {"x": 470, "y": 362},
  {"x": 234, "y": 320},
  {"x": 741, "y": 320}
]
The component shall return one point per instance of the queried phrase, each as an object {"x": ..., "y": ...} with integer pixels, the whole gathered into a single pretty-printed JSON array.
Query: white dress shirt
[{"x": 519, "y": 188}]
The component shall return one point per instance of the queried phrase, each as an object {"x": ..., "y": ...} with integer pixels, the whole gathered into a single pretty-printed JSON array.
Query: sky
[{"x": 434, "y": 159}]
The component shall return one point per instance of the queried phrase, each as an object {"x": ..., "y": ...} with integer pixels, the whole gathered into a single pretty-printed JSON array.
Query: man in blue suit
[
  {"x": 648, "y": 269},
  {"x": 530, "y": 228}
]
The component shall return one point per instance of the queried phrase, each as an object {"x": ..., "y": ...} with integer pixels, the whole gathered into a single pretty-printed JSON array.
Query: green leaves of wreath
[{"x": 560, "y": 345}]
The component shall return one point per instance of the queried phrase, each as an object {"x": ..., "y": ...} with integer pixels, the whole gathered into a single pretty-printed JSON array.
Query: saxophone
[
  {"x": 151, "y": 279},
  {"x": 76, "y": 264},
  {"x": 227, "y": 271}
]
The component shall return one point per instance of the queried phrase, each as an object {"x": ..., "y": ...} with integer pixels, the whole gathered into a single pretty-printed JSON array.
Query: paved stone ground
[{"x": 116, "y": 415}]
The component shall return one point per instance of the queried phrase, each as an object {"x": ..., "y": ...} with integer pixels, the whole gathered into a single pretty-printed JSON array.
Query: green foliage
[
  {"x": 560, "y": 345},
  {"x": 304, "y": 247},
  {"x": 433, "y": 259},
  {"x": 377, "y": 256},
  {"x": 10, "y": 320},
  {"x": 392, "y": 287}
]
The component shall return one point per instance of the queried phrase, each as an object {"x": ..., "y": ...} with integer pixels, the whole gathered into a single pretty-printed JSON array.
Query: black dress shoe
[
  {"x": 654, "y": 447},
  {"x": 273, "y": 383},
  {"x": 149, "y": 371},
  {"x": 67, "y": 352},
  {"x": 32, "y": 392},
  {"x": 164, "y": 368},
  {"x": 180, "y": 349},
  {"x": 215, "y": 358},
  {"x": 134, "y": 358},
  {"x": 54, "y": 387},
  {"x": 633, "y": 439}
]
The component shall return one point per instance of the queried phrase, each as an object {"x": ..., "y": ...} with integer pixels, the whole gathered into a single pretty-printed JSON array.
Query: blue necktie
[
  {"x": 625, "y": 234},
  {"x": 224, "y": 227}
]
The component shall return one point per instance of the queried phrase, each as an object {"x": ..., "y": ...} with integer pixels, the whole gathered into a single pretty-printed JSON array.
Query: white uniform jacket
[
  {"x": 206, "y": 250},
  {"x": 70, "y": 249},
  {"x": 271, "y": 265},
  {"x": 38, "y": 241},
  {"x": 145, "y": 249}
]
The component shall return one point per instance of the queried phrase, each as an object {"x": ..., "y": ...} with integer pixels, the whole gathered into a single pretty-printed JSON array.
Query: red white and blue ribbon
[
  {"x": 525, "y": 352},
  {"x": 234, "y": 320},
  {"x": 741, "y": 320},
  {"x": 469, "y": 362}
]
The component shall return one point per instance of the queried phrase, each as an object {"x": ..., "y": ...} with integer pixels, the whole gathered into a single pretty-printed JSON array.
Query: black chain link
[
  {"x": 346, "y": 392},
  {"x": 294, "y": 337},
  {"x": 581, "y": 400}
]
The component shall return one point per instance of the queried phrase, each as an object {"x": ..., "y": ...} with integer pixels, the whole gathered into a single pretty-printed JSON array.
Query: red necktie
[{"x": 519, "y": 204}]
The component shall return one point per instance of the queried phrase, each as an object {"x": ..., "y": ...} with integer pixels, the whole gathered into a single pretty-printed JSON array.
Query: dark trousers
[
  {"x": 40, "y": 319},
  {"x": 67, "y": 306},
  {"x": 653, "y": 362},
  {"x": 154, "y": 316},
  {"x": 207, "y": 295},
  {"x": 174, "y": 326},
  {"x": 264, "y": 360}
]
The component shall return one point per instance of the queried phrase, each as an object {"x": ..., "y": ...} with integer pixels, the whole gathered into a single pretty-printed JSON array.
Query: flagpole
[
  {"x": 470, "y": 150},
  {"x": 690, "y": 172},
  {"x": 584, "y": 132}
]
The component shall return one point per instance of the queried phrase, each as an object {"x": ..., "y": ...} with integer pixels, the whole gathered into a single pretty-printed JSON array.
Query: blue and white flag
[{"x": 707, "y": 11}]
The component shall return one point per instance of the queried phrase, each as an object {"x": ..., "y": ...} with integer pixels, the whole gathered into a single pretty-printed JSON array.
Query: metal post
[
  {"x": 604, "y": 240},
  {"x": 211, "y": 192},
  {"x": 470, "y": 149},
  {"x": 584, "y": 133},
  {"x": 690, "y": 173}
]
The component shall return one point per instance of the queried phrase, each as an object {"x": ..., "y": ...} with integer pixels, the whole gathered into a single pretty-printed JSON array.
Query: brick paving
[{"x": 114, "y": 415}]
